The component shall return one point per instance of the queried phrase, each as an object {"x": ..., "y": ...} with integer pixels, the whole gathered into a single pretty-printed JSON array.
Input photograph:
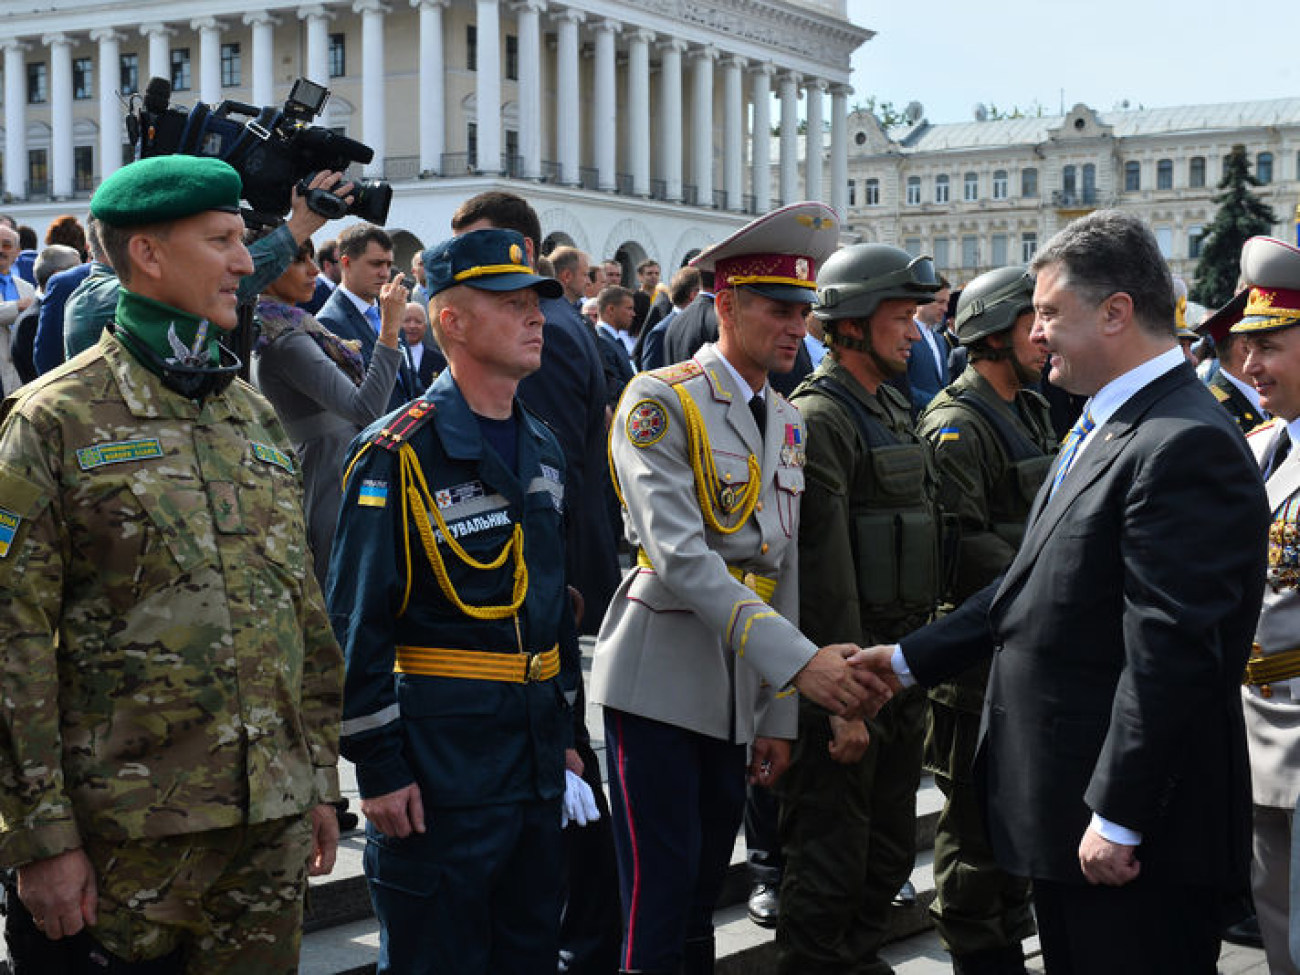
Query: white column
[
  {"x": 840, "y": 149},
  {"x": 15, "y": 183},
  {"x": 373, "y": 104},
  {"x": 670, "y": 117},
  {"x": 262, "y": 55},
  {"x": 209, "y": 58},
  {"x": 568, "y": 108},
  {"x": 702, "y": 124},
  {"x": 813, "y": 141},
  {"x": 605, "y": 134},
  {"x": 789, "y": 138},
  {"x": 733, "y": 117},
  {"x": 60, "y": 113},
  {"x": 160, "y": 62},
  {"x": 638, "y": 109},
  {"x": 528, "y": 18},
  {"x": 431, "y": 133},
  {"x": 488, "y": 86},
  {"x": 761, "y": 139},
  {"x": 110, "y": 114},
  {"x": 318, "y": 43}
]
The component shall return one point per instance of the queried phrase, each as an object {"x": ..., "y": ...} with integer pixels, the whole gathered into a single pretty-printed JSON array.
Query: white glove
[{"x": 579, "y": 802}]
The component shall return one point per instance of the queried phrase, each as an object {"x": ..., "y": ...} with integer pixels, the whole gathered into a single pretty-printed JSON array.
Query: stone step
[{"x": 347, "y": 941}]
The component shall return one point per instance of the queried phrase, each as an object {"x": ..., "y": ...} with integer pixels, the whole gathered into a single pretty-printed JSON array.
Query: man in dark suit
[
  {"x": 1112, "y": 762},
  {"x": 423, "y": 357},
  {"x": 696, "y": 324},
  {"x": 927, "y": 367},
  {"x": 352, "y": 311}
]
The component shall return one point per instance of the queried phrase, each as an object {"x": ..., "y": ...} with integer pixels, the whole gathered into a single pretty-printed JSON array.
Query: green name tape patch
[{"x": 118, "y": 453}]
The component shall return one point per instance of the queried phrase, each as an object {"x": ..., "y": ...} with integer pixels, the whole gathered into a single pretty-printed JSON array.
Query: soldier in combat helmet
[
  {"x": 870, "y": 568},
  {"x": 993, "y": 445}
]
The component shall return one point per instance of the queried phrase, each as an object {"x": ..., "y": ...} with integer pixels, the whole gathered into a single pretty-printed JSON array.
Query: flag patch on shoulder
[{"x": 373, "y": 494}]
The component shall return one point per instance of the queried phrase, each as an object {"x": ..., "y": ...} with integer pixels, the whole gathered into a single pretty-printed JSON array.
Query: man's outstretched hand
[{"x": 844, "y": 689}]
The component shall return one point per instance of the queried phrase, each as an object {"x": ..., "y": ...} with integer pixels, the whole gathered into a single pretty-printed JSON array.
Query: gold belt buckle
[{"x": 535, "y": 667}]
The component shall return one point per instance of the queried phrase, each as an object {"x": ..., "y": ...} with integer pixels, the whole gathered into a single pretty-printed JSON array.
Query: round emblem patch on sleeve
[{"x": 646, "y": 423}]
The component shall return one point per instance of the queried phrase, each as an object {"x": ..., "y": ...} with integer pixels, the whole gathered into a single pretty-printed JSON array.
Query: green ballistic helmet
[
  {"x": 992, "y": 303},
  {"x": 856, "y": 279}
]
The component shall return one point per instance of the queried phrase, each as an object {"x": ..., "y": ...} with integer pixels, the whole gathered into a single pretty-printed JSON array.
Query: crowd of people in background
[{"x": 574, "y": 446}]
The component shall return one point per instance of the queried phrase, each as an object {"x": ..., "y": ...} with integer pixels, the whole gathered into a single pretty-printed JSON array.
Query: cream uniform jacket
[
  {"x": 1273, "y": 723},
  {"x": 684, "y": 641}
]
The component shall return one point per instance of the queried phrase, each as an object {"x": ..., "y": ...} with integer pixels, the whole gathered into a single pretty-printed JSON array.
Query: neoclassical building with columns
[
  {"x": 640, "y": 127},
  {"x": 982, "y": 194}
]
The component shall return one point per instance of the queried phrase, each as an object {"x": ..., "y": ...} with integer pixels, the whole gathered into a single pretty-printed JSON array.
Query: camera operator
[{"x": 90, "y": 308}]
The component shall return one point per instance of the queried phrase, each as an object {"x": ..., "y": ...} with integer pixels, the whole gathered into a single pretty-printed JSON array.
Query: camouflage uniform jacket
[{"x": 168, "y": 666}]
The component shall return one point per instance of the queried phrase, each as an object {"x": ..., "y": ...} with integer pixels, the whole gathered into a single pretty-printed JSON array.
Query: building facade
[
  {"x": 979, "y": 195},
  {"x": 640, "y": 128}
]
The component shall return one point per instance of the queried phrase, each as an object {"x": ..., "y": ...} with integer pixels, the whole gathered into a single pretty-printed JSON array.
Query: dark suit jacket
[
  {"x": 341, "y": 317},
  {"x": 48, "y": 347},
  {"x": 1119, "y": 634},
  {"x": 568, "y": 393},
  {"x": 432, "y": 362},
  {"x": 694, "y": 325},
  {"x": 659, "y": 308},
  {"x": 319, "y": 296},
  {"x": 926, "y": 375},
  {"x": 618, "y": 367}
]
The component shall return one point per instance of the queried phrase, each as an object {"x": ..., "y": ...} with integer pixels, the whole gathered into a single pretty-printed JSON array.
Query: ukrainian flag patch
[
  {"x": 9, "y": 523},
  {"x": 119, "y": 452},
  {"x": 373, "y": 494},
  {"x": 949, "y": 435},
  {"x": 272, "y": 455}
]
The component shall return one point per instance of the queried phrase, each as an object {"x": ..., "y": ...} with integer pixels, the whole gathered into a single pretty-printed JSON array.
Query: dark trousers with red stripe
[{"x": 677, "y": 799}]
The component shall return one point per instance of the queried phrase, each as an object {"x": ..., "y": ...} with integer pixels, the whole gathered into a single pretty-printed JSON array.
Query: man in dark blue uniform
[{"x": 447, "y": 593}]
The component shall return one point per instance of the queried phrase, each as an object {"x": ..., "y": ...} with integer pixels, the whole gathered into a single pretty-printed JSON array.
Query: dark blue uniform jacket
[{"x": 465, "y": 741}]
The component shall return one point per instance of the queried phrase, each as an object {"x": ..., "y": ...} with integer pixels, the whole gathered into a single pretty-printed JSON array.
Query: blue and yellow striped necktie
[{"x": 1070, "y": 447}]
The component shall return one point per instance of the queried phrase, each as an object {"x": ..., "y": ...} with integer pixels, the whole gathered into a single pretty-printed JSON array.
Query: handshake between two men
[{"x": 849, "y": 681}]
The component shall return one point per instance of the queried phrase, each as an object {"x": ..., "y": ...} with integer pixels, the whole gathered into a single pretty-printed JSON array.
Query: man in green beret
[
  {"x": 168, "y": 741},
  {"x": 92, "y": 305}
]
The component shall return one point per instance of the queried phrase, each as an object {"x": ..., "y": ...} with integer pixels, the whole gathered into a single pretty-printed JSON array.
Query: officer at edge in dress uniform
[
  {"x": 1271, "y": 691},
  {"x": 699, "y": 649},
  {"x": 447, "y": 592}
]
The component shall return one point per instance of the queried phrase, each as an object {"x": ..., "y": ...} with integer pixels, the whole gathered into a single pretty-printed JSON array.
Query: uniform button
[
  {"x": 763, "y": 550},
  {"x": 758, "y": 506},
  {"x": 727, "y": 476}
]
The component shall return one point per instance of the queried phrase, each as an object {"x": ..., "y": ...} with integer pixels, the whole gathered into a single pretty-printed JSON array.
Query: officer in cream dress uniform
[
  {"x": 1271, "y": 269},
  {"x": 699, "y": 652}
]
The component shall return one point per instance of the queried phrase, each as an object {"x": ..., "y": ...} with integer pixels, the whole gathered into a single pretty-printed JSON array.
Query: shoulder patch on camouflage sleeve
[
  {"x": 678, "y": 372},
  {"x": 9, "y": 523},
  {"x": 272, "y": 455},
  {"x": 647, "y": 422}
]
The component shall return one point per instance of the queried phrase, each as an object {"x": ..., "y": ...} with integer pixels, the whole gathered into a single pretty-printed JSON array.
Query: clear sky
[{"x": 949, "y": 54}]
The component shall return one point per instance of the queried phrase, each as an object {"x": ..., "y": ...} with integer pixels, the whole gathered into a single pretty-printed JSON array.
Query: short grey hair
[{"x": 1109, "y": 251}]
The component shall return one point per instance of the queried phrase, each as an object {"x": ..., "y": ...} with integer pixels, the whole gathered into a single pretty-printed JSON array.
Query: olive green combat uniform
[
  {"x": 172, "y": 684},
  {"x": 992, "y": 458},
  {"x": 870, "y": 571}
]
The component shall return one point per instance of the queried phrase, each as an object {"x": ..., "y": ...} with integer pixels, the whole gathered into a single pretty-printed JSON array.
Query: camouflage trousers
[
  {"x": 849, "y": 838},
  {"x": 978, "y": 907},
  {"x": 227, "y": 900}
]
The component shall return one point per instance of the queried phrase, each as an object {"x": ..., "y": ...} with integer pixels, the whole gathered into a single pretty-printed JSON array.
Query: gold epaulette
[
  {"x": 404, "y": 424},
  {"x": 1220, "y": 394},
  {"x": 678, "y": 372}
]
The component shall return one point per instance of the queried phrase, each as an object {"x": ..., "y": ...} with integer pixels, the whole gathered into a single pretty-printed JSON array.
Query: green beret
[{"x": 164, "y": 188}]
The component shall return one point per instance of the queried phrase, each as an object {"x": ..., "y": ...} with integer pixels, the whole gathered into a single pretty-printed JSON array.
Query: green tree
[{"x": 1241, "y": 215}]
